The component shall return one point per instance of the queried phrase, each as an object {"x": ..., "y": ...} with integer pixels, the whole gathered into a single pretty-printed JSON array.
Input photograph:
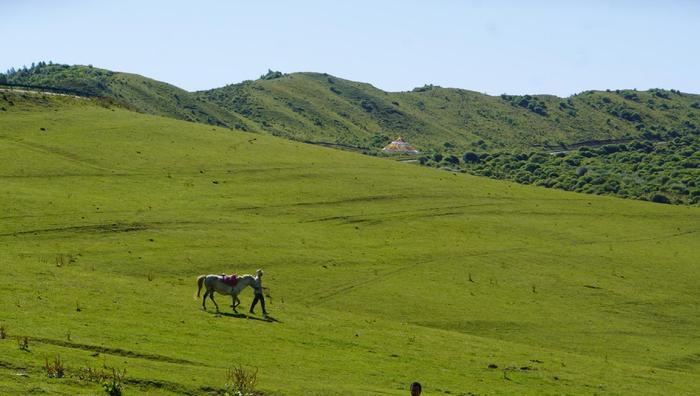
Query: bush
[
  {"x": 271, "y": 75},
  {"x": 452, "y": 160},
  {"x": 470, "y": 156},
  {"x": 631, "y": 96},
  {"x": 660, "y": 198},
  {"x": 609, "y": 149},
  {"x": 531, "y": 167}
]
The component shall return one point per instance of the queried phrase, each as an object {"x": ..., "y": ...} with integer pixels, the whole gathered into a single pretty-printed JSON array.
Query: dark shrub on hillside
[
  {"x": 631, "y": 96},
  {"x": 661, "y": 93},
  {"x": 437, "y": 157},
  {"x": 531, "y": 167},
  {"x": 379, "y": 140},
  {"x": 651, "y": 135},
  {"x": 609, "y": 149},
  {"x": 424, "y": 88},
  {"x": 695, "y": 105},
  {"x": 631, "y": 116},
  {"x": 660, "y": 198},
  {"x": 452, "y": 159},
  {"x": 538, "y": 158},
  {"x": 368, "y": 105},
  {"x": 573, "y": 161},
  {"x": 271, "y": 75},
  {"x": 470, "y": 156}
]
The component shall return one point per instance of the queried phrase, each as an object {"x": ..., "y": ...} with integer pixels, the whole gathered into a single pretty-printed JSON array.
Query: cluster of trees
[
  {"x": 271, "y": 75},
  {"x": 86, "y": 80},
  {"x": 529, "y": 102},
  {"x": 425, "y": 88},
  {"x": 666, "y": 171}
]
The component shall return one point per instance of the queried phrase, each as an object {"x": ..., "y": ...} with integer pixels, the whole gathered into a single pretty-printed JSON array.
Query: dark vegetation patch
[
  {"x": 532, "y": 103},
  {"x": 664, "y": 168},
  {"x": 112, "y": 351},
  {"x": 98, "y": 228}
]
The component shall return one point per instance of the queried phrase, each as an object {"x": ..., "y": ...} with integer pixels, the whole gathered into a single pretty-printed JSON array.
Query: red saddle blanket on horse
[{"x": 230, "y": 280}]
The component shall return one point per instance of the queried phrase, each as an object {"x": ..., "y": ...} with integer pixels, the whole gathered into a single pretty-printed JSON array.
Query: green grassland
[{"x": 381, "y": 273}]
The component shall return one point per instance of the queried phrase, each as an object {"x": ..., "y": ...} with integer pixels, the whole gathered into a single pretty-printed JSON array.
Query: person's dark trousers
[{"x": 261, "y": 298}]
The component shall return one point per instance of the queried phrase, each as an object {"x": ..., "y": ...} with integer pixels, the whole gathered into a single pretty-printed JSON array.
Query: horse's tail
[{"x": 200, "y": 281}]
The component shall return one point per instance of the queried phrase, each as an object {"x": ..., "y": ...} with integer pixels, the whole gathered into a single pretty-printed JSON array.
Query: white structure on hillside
[{"x": 400, "y": 146}]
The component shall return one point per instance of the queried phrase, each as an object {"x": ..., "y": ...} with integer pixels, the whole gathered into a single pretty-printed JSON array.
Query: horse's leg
[
  {"x": 236, "y": 301},
  {"x": 204, "y": 300},
  {"x": 211, "y": 296}
]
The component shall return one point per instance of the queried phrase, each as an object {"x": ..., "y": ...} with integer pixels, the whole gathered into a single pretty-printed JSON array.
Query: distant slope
[
  {"x": 322, "y": 108},
  {"x": 131, "y": 90},
  {"x": 312, "y": 106}
]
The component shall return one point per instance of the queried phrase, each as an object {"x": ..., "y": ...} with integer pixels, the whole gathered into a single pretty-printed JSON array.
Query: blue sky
[{"x": 538, "y": 47}]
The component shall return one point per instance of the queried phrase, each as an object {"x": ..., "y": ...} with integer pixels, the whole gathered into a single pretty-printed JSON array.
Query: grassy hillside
[
  {"x": 323, "y": 108},
  {"x": 381, "y": 273},
  {"x": 131, "y": 90},
  {"x": 320, "y": 107}
]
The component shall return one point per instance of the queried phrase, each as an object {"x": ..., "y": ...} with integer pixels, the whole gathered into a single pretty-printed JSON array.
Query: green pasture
[{"x": 381, "y": 273}]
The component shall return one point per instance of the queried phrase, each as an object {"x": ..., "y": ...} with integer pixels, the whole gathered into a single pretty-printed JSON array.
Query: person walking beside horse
[{"x": 258, "y": 290}]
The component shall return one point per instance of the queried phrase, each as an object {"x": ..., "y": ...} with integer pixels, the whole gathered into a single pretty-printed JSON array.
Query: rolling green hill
[
  {"x": 640, "y": 145},
  {"x": 322, "y": 108},
  {"x": 135, "y": 92},
  {"x": 381, "y": 273}
]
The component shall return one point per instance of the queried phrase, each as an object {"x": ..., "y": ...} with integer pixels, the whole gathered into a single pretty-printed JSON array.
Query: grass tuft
[
  {"x": 23, "y": 344},
  {"x": 55, "y": 369},
  {"x": 241, "y": 381}
]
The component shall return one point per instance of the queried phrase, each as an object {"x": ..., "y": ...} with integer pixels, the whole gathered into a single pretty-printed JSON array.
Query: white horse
[{"x": 215, "y": 283}]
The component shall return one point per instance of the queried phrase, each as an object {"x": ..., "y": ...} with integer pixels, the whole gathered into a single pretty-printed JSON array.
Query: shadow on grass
[{"x": 267, "y": 318}]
